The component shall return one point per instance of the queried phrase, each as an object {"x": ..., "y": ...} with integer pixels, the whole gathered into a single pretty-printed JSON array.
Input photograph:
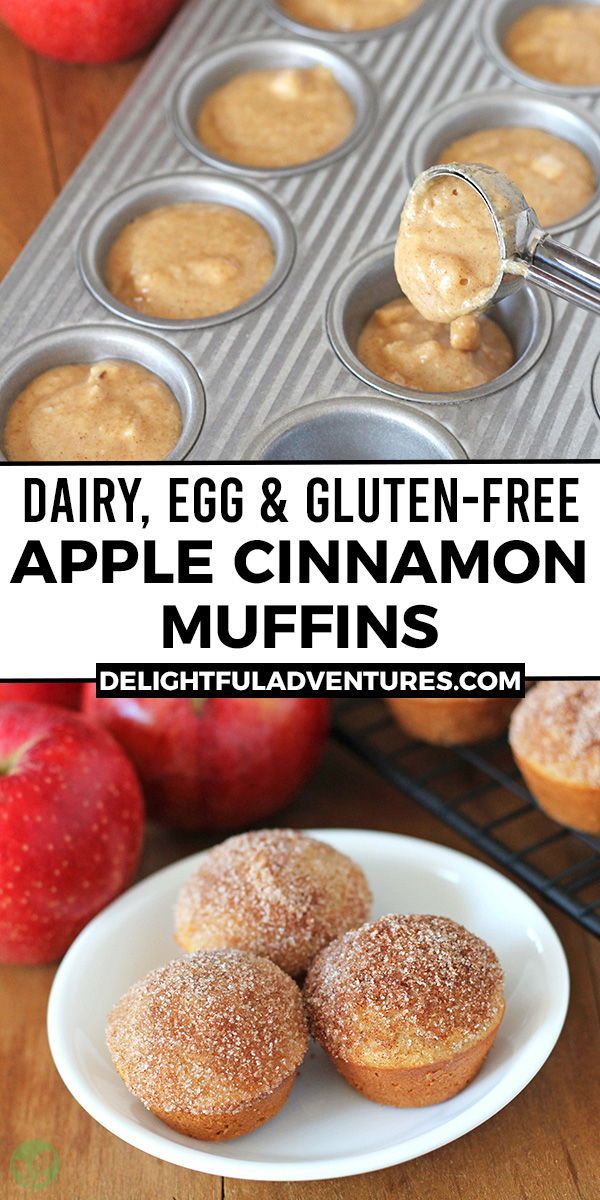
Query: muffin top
[
  {"x": 557, "y": 728},
  {"x": 275, "y": 892},
  {"x": 208, "y": 1033},
  {"x": 404, "y": 991}
]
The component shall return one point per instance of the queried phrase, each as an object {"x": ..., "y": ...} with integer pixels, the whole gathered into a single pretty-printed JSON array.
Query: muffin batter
[
  {"x": 447, "y": 254},
  {"x": 276, "y": 118},
  {"x": 348, "y": 14},
  {"x": 99, "y": 412},
  {"x": 189, "y": 260},
  {"x": 556, "y": 177},
  {"x": 399, "y": 345},
  {"x": 560, "y": 44}
]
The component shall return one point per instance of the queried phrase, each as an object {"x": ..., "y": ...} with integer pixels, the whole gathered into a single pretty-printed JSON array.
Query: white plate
[{"x": 326, "y": 1130}]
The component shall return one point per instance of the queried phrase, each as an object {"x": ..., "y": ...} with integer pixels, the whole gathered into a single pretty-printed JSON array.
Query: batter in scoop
[
  {"x": 560, "y": 43},
  {"x": 399, "y": 345},
  {"x": 99, "y": 412},
  {"x": 187, "y": 261},
  {"x": 555, "y": 176},
  {"x": 276, "y": 118},
  {"x": 348, "y": 14},
  {"x": 447, "y": 255}
]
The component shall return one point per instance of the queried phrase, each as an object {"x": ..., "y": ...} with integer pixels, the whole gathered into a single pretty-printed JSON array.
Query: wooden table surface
[{"x": 544, "y": 1146}]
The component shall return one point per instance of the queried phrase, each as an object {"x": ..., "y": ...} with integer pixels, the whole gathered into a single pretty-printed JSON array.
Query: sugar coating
[
  {"x": 208, "y": 1034},
  {"x": 557, "y": 726},
  {"x": 404, "y": 991},
  {"x": 275, "y": 892}
]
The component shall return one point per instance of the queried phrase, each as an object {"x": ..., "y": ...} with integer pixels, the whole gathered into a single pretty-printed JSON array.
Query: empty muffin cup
[
  {"x": 596, "y": 387},
  {"x": 224, "y": 63},
  {"x": 355, "y": 429},
  {"x": 340, "y": 35},
  {"x": 438, "y": 129},
  {"x": 140, "y": 198},
  {"x": 525, "y": 316},
  {"x": 495, "y": 20},
  {"x": 96, "y": 343}
]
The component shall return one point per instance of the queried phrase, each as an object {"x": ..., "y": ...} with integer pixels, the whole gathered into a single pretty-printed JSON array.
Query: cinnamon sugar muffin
[
  {"x": 211, "y": 1044},
  {"x": 555, "y": 738},
  {"x": 406, "y": 1007},
  {"x": 452, "y": 721},
  {"x": 275, "y": 892}
]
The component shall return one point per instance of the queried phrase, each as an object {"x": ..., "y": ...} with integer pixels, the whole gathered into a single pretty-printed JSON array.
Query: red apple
[
  {"x": 216, "y": 764},
  {"x": 71, "y": 820},
  {"x": 88, "y": 31},
  {"x": 67, "y": 695}
]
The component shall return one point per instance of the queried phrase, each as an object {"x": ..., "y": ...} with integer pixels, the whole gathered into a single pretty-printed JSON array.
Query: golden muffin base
[
  {"x": 417, "y": 1087},
  {"x": 221, "y": 1127},
  {"x": 451, "y": 722},
  {"x": 574, "y": 804}
]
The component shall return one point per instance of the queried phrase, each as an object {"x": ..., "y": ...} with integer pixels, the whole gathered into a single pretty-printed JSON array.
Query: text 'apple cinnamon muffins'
[
  {"x": 555, "y": 738},
  {"x": 451, "y": 721},
  {"x": 407, "y": 1008},
  {"x": 211, "y": 1044},
  {"x": 275, "y": 892}
]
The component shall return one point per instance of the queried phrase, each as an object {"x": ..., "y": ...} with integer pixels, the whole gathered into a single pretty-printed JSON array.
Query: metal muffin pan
[
  {"x": 433, "y": 133},
  {"x": 108, "y": 221},
  {"x": 277, "y": 358},
  {"x": 496, "y": 20},
  {"x": 361, "y": 35},
  {"x": 259, "y": 54},
  {"x": 93, "y": 343},
  {"x": 356, "y": 427},
  {"x": 525, "y": 316}
]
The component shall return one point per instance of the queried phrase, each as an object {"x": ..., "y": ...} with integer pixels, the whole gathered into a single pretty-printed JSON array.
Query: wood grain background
[{"x": 545, "y": 1145}]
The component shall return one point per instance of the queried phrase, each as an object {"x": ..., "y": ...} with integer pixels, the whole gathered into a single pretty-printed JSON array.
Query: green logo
[{"x": 34, "y": 1164}]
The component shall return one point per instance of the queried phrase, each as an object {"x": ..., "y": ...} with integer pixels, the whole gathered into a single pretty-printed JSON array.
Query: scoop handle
[{"x": 565, "y": 272}]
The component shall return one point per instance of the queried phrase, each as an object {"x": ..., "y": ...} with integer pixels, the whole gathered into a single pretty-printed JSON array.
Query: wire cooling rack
[{"x": 478, "y": 791}]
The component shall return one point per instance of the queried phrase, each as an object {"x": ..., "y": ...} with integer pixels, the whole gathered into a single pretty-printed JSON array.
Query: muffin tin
[{"x": 331, "y": 222}]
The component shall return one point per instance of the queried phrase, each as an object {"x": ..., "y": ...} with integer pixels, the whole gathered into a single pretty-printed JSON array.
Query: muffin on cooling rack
[
  {"x": 211, "y": 1044},
  {"x": 275, "y": 892},
  {"x": 407, "y": 1008},
  {"x": 448, "y": 721},
  {"x": 555, "y": 738}
]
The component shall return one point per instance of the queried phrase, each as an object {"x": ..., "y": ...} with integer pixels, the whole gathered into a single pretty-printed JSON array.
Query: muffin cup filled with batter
[
  {"x": 186, "y": 251},
  {"x": 116, "y": 394},
  {"x": 344, "y": 20},
  {"x": 369, "y": 286},
  {"x": 552, "y": 47},
  {"x": 272, "y": 106},
  {"x": 561, "y": 181}
]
